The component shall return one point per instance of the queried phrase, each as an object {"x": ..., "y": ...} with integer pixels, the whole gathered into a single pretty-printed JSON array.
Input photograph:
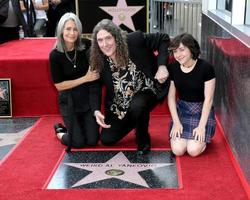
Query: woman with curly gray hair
[{"x": 134, "y": 77}]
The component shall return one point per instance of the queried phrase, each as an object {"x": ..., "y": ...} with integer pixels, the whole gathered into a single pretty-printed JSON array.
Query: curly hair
[
  {"x": 96, "y": 55},
  {"x": 187, "y": 40}
]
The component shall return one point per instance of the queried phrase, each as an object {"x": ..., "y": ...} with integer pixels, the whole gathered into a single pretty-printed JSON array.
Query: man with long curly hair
[{"x": 134, "y": 77}]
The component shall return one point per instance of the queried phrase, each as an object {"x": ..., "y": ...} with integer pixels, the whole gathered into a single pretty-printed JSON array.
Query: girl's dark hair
[{"x": 187, "y": 40}]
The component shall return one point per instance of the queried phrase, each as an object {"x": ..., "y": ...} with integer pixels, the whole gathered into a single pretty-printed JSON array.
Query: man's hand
[
  {"x": 161, "y": 74},
  {"x": 100, "y": 119}
]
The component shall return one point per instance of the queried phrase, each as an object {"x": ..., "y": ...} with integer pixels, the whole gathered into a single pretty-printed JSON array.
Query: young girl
[{"x": 193, "y": 80}]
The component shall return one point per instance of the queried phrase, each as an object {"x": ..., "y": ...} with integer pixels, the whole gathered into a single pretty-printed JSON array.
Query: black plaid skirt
[{"x": 189, "y": 114}]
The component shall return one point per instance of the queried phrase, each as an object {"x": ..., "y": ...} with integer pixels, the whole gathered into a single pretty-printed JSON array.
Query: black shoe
[
  {"x": 59, "y": 128},
  {"x": 143, "y": 150}
]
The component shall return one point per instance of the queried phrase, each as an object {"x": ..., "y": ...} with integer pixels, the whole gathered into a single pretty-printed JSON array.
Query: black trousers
[
  {"x": 53, "y": 18},
  {"x": 84, "y": 130},
  {"x": 137, "y": 117},
  {"x": 79, "y": 121}
]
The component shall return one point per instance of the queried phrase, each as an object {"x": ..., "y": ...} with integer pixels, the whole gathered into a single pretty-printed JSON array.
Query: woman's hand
[
  {"x": 56, "y": 2},
  {"x": 91, "y": 75},
  {"x": 100, "y": 119},
  {"x": 199, "y": 133},
  {"x": 176, "y": 131},
  {"x": 88, "y": 77}
]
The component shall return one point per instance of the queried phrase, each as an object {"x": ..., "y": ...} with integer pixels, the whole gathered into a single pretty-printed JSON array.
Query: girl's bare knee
[
  {"x": 179, "y": 146},
  {"x": 195, "y": 149},
  {"x": 178, "y": 150}
]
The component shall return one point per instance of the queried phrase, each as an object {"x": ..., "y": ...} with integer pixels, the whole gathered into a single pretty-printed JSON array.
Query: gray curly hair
[{"x": 96, "y": 55}]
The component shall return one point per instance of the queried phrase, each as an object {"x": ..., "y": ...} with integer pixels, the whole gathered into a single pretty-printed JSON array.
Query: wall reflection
[{"x": 231, "y": 59}]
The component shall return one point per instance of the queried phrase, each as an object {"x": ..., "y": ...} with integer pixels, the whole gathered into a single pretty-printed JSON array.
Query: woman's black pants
[{"x": 84, "y": 131}]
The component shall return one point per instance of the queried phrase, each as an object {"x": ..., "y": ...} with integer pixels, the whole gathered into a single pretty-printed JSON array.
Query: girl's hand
[
  {"x": 199, "y": 133},
  {"x": 176, "y": 131}
]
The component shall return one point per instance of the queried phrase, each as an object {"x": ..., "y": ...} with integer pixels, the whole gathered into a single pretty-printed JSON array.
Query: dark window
[
  {"x": 228, "y": 5},
  {"x": 247, "y": 15}
]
